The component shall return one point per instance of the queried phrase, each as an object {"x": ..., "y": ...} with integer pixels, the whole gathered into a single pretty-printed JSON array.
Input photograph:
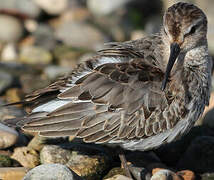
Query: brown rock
[
  {"x": 26, "y": 156},
  {"x": 16, "y": 173},
  {"x": 186, "y": 174}
]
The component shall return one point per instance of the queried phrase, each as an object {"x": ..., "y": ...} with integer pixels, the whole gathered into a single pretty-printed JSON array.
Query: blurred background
[{"x": 41, "y": 40}]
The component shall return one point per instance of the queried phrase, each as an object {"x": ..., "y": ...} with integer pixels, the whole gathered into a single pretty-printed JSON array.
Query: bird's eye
[{"x": 192, "y": 31}]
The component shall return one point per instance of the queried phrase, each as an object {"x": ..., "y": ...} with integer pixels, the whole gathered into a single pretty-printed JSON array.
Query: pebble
[
  {"x": 51, "y": 172},
  {"x": 26, "y": 156},
  {"x": 44, "y": 37},
  {"x": 13, "y": 29},
  {"x": 54, "y": 154},
  {"x": 13, "y": 173},
  {"x": 22, "y": 7},
  {"x": 34, "y": 55},
  {"x": 119, "y": 177},
  {"x": 87, "y": 166},
  {"x": 106, "y": 7},
  {"x": 52, "y": 7},
  {"x": 165, "y": 174},
  {"x": 8, "y": 136},
  {"x": 9, "y": 53},
  {"x": 186, "y": 175},
  {"x": 199, "y": 157},
  {"x": 79, "y": 34},
  {"x": 53, "y": 71}
]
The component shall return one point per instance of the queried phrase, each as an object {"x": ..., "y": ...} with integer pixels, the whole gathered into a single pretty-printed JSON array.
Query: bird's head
[{"x": 184, "y": 28}]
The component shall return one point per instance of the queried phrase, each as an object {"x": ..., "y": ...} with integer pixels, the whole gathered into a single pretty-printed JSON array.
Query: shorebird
[{"x": 137, "y": 94}]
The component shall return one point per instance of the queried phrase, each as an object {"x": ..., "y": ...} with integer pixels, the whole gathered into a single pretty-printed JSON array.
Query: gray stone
[
  {"x": 26, "y": 7},
  {"x": 44, "y": 37},
  {"x": 8, "y": 136},
  {"x": 86, "y": 165},
  {"x": 199, "y": 156},
  {"x": 12, "y": 30},
  {"x": 54, "y": 154},
  {"x": 51, "y": 172},
  {"x": 106, "y": 7},
  {"x": 53, "y": 71},
  {"x": 6, "y": 81},
  {"x": 78, "y": 34}
]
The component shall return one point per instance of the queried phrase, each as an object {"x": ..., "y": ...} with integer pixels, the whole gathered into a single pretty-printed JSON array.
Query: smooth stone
[
  {"x": 119, "y": 177},
  {"x": 34, "y": 55},
  {"x": 8, "y": 136},
  {"x": 24, "y": 7},
  {"x": 13, "y": 173},
  {"x": 53, "y": 71},
  {"x": 83, "y": 163},
  {"x": 54, "y": 154},
  {"x": 52, "y": 7},
  {"x": 51, "y": 172},
  {"x": 9, "y": 53},
  {"x": 165, "y": 174},
  {"x": 6, "y": 81},
  {"x": 13, "y": 29},
  {"x": 106, "y": 7},
  {"x": 79, "y": 34},
  {"x": 44, "y": 36},
  {"x": 199, "y": 157},
  {"x": 26, "y": 156}
]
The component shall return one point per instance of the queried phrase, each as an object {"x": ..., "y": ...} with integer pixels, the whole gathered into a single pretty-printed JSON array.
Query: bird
[{"x": 137, "y": 94}]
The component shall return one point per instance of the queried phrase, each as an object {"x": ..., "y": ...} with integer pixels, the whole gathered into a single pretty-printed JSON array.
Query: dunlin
[{"x": 137, "y": 94}]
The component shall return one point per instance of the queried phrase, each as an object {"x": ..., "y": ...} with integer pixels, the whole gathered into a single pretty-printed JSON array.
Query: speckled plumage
[{"x": 116, "y": 97}]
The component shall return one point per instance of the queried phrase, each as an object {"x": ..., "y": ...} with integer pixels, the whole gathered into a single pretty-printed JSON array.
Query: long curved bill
[{"x": 174, "y": 52}]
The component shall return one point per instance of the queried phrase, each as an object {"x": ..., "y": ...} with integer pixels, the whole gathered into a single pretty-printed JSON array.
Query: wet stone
[{"x": 51, "y": 171}]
